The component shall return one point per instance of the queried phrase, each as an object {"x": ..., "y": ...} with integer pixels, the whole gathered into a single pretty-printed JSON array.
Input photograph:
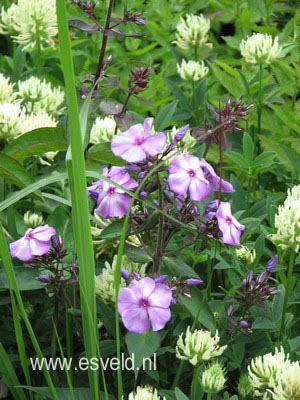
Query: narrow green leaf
[
  {"x": 37, "y": 142},
  {"x": 179, "y": 268},
  {"x": 178, "y": 93},
  {"x": 248, "y": 147},
  {"x": 9, "y": 376}
]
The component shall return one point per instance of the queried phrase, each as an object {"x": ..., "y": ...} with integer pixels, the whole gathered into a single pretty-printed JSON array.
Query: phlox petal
[
  {"x": 159, "y": 317},
  {"x": 136, "y": 320}
]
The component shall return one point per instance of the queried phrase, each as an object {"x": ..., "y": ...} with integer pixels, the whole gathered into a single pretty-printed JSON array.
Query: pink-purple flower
[
  {"x": 137, "y": 144},
  {"x": 112, "y": 201},
  {"x": 214, "y": 179},
  {"x": 229, "y": 226},
  {"x": 145, "y": 304},
  {"x": 187, "y": 176},
  {"x": 36, "y": 242}
]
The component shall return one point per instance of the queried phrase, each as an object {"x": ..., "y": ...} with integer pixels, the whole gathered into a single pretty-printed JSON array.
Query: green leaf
[
  {"x": 164, "y": 116},
  {"x": 64, "y": 393},
  {"x": 179, "y": 268},
  {"x": 248, "y": 147},
  {"x": 113, "y": 230},
  {"x": 37, "y": 142},
  {"x": 178, "y": 93},
  {"x": 13, "y": 172},
  {"x": 198, "y": 308},
  {"x": 142, "y": 347},
  {"x": 287, "y": 116},
  {"x": 180, "y": 395},
  {"x": 102, "y": 152},
  {"x": 136, "y": 254},
  {"x": 230, "y": 83},
  {"x": 238, "y": 159},
  {"x": 26, "y": 279}
]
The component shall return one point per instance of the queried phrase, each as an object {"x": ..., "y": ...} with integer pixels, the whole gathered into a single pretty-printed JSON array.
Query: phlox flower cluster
[
  {"x": 189, "y": 178},
  {"x": 32, "y": 27}
]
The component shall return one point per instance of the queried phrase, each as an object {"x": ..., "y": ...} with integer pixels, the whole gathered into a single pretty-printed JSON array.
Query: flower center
[
  {"x": 144, "y": 303},
  {"x": 139, "y": 141},
  {"x": 192, "y": 173},
  {"x": 228, "y": 221},
  {"x": 111, "y": 190}
]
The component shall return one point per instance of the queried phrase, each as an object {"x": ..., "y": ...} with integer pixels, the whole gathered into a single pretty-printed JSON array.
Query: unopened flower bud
[
  {"x": 272, "y": 264},
  {"x": 193, "y": 282},
  {"x": 213, "y": 378},
  {"x": 43, "y": 278},
  {"x": 125, "y": 274}
]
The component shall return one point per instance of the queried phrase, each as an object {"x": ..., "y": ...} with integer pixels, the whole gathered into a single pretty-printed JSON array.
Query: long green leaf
[{"x": 80, "y": 210}]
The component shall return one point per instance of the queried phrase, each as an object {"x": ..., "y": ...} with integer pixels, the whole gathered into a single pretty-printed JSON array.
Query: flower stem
[
  {"x": 287, "y": 292},
  {"x": 194, "y": 384},
  {"x": 209, "y": 396},
  {"x": 104, "y": 42},
  {"x": 259, "y": 108}
]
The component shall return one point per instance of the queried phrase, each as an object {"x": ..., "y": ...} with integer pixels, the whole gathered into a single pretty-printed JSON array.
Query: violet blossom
[
  {"x": 214, "y": 179},
  {"x": 145, "y": 304},
  {"x": 229, "y": 226},
  {"x": 36, "y": 242},
  {"x": 112, "y": 201},
  {"x": 187, "y": 176},
  {"x": 137, "y": 144}
]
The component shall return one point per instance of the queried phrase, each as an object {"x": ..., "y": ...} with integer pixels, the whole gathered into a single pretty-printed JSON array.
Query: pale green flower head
[
  {"x": 105, "y": 285},
  {"x": 7, "y": 90},
  {"x": 192, "y": 32},
  {"x": 103, "y": 130},
  {"x": 287, "y": 221},
  {"x": 12, "y": 116},
  {"x": 47, "y": 158},
  {"x": 198, "y": 346},
  {"x": 145, "y": 393},
  {"x": 260, "y": 49},
  {"x": 289, "y": 385},
  {"x": 192, "y": 70},
  {"x": 245, "y": 389},
  {"x": 38, "y": 120},
  {"x": 35, "y": 23},
  {"x": 265, "y": 372},
  {"x": 213, "y": 378},
  {"x": 32, "y": 220},
  {"x": 245, "y": 255},
  {"x": 39, "y": 95},
  {"x": 7, "y": 17}
]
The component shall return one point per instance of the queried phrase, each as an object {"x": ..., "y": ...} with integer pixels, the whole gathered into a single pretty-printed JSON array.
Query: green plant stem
[
  {"x": 53, "y": 339},
  {"x": 194, "y": 384},
  {"x": 209, "y": 397},
  {"x": 287, "y": 292},
  {"x": 160, "y": 237},
  {"x": 209, "y": 273}
]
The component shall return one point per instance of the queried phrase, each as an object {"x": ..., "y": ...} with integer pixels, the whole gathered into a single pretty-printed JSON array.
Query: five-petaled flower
[
  {"x": 145, "y": 304},
  {"x": 36, "y": 242},
  {"x": 137, "y": 144},
  {"x": 229, "y": 226},
  {"x": 111, "y": 200}
]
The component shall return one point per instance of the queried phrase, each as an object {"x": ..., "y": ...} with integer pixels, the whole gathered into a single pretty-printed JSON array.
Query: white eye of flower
[
  {"x": 192, "y": 70},
  {"x": 198, "y": 346},
  {"x": 287, "y": 221},
  {"x": 260, "y": 49},
  {"x": 192, "y": 32}
]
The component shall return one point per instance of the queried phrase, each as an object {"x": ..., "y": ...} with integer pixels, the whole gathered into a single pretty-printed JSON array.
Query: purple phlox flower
[
  {"x": 193, "y": 282},
  {"x": 136, "y": 144},
  {"x": 145, "y": 304},
  {"x": 272, "y": 264},
  {"x": 35, "y": 242},
  {"x": 132, "y": 168},
  {"x": 43, "y": 278},
  {"x": 210, "y": 211},
  {"x": 214, "y": 179},
  {"x": 229, "y": 226},
  {"x": 187, "y": 176},
  {"x": 125, "y": 274},
  {"x": 161, "y": 279},
  {"x": 112, "y": 201},
  {"x": 181, "y": 133}
]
